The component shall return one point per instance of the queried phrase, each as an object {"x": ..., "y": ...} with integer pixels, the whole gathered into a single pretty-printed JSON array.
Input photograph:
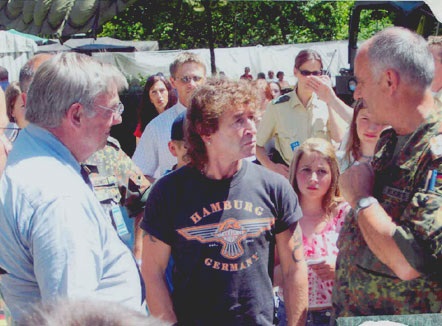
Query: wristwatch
[{"x": 364, "y": 202}]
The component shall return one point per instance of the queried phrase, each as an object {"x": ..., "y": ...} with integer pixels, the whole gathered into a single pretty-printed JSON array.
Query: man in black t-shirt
[{"x": 221, "y": 217}]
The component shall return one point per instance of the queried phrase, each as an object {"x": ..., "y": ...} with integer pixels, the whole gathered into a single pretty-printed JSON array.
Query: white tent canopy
[
  {"x": 15, "y": 50},
  {"x": 232, "y": 60}
]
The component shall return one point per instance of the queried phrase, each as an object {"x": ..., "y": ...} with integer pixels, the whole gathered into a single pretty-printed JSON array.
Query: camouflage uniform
[
  {"x": 364, "y": 285},
  {"x": 438, "y": 99},
  {"x": 116, "y": 179}
]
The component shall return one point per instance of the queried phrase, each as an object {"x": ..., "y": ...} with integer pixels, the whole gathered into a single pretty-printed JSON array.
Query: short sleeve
[
  {"x": 266, "y": 128},
  {"x": 146, "y": 152},
  {"x": 156, "y": 220},
  {"x": 289, "y": 210}
]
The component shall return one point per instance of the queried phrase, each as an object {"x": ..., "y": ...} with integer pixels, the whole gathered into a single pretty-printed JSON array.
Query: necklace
[{"x": 368, "y": 157}]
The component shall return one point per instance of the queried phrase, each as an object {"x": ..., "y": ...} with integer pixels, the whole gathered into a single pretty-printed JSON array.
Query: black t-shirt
[{"x": 222, "y": 236}]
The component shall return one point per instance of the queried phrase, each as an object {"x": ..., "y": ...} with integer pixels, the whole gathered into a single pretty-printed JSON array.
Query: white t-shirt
[{"x": 152, "y": 153}]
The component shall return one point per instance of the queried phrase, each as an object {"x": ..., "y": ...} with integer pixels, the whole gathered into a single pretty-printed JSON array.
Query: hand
[
  {"x": 322, "y": 86},
  {"x": 325, "y": 270},
  {"x": 357, "y": 182},
  {"x": 281, "y": 169}
]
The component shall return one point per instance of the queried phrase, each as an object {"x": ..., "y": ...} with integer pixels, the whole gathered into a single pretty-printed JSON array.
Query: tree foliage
[
  {"x": 183, "y": 24},
  {"x": 189, "y": 24}
]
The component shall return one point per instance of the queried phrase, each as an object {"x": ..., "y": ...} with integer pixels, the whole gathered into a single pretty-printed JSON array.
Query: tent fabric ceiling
[{"x": 58, "y": 17}]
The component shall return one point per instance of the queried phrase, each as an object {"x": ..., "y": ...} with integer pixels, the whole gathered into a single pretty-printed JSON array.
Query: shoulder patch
[
  {"x": 436, "y": 146},
  {"x": 281, "y": 99}
]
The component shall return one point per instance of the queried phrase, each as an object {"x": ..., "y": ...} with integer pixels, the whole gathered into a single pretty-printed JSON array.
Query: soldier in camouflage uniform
[
  {"x": 390, "y": 246},
  {"x": 120, "y": 187}
]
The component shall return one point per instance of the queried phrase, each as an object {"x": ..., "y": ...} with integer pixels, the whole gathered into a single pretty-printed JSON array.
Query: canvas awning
[{"x": 59, "y": 17}]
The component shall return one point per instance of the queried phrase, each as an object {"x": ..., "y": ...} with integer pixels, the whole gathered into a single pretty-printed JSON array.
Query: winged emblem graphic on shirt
[{"x": 229, "y": 233}]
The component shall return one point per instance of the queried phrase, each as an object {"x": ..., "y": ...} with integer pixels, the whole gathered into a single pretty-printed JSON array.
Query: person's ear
[
  {"x": 75, "y": 114},
  {"x": 392, "y": 80},
  {"x": 206, "y": 139},
  {"x": 172, "y": 148},
  {"x": 24, "y": 97},
  {"x": 172, "y": 81}
]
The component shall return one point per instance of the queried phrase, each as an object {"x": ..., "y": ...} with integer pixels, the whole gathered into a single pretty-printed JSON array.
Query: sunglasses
[
  {"x": 187, "y": 79},
  {"x": 314, "y": 73},
  {"x": 11, "y": 133}
]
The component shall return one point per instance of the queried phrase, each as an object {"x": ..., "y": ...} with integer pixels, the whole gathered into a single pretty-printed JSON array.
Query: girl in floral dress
[{"x": 314, "y": 175}]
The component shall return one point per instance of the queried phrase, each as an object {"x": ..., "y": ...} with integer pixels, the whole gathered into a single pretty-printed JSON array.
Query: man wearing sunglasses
[{"x": 152, "y": 155}]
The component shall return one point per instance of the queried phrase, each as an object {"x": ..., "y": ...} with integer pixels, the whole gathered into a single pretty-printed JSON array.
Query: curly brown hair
[{"x": 209, "y": 102}]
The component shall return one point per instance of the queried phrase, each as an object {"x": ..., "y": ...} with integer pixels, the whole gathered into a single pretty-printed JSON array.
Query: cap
[{"x": 177, "y": 132}]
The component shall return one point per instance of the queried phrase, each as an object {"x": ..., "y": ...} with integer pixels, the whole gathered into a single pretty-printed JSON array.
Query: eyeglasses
[
  {"x": 11, "y": 133},
  {"x": 308, "y": 73},
  {"x": 118, "y": 109},
  {"x": 188, "y": 79}
]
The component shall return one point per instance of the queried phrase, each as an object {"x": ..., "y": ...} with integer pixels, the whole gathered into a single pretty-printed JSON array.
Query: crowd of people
[{"x": 244, "y": 203}]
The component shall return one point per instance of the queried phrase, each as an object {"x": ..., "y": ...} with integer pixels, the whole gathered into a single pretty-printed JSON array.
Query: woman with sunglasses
[{"x": 296, "y": 116}]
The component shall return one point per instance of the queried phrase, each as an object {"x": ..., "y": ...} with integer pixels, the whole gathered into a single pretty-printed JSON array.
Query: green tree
[{"x": 183, "y": 24}]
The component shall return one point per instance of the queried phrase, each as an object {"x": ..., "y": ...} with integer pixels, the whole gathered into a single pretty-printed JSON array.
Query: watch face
[{"x": 365, "y": 202}]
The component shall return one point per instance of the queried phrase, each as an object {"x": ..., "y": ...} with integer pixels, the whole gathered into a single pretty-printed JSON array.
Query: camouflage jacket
[
  {"x": 116, "y": 179},
  {"x": 364, "y": 285}
]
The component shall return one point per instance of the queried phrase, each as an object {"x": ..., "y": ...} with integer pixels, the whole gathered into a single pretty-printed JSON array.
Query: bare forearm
[
  {"x": 158, "y": 298},
  {"x": 296, "y": 294},
  {"x": 342, "y": 109},
  {"x": 338, "y": 126},
  {"x": 377, "y": 229},
  {"x": 156, "y": 255},
  {"x": 295, "y": 277}
]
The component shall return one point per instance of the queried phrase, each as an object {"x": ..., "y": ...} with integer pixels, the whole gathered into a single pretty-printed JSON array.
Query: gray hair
[
  {"x": 66, "y": 79},
  {"x": 28, "y": 70},
  {"x": 405, "y": 52},
  {"x": 185, "y": 57}
]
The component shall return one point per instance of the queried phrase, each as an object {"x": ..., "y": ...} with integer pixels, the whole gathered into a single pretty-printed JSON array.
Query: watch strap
[{"x": 364, "y": 202}]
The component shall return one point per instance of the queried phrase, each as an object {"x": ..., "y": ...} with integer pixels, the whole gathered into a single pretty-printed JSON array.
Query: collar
[
  {"x": 33, "y": 133},
  {"x": 414, "y": 149},
  {"x": 296, "y": 101}
]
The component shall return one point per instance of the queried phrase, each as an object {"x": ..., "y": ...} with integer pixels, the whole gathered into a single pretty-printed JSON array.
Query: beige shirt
[{"x": 290, "y": 123}]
